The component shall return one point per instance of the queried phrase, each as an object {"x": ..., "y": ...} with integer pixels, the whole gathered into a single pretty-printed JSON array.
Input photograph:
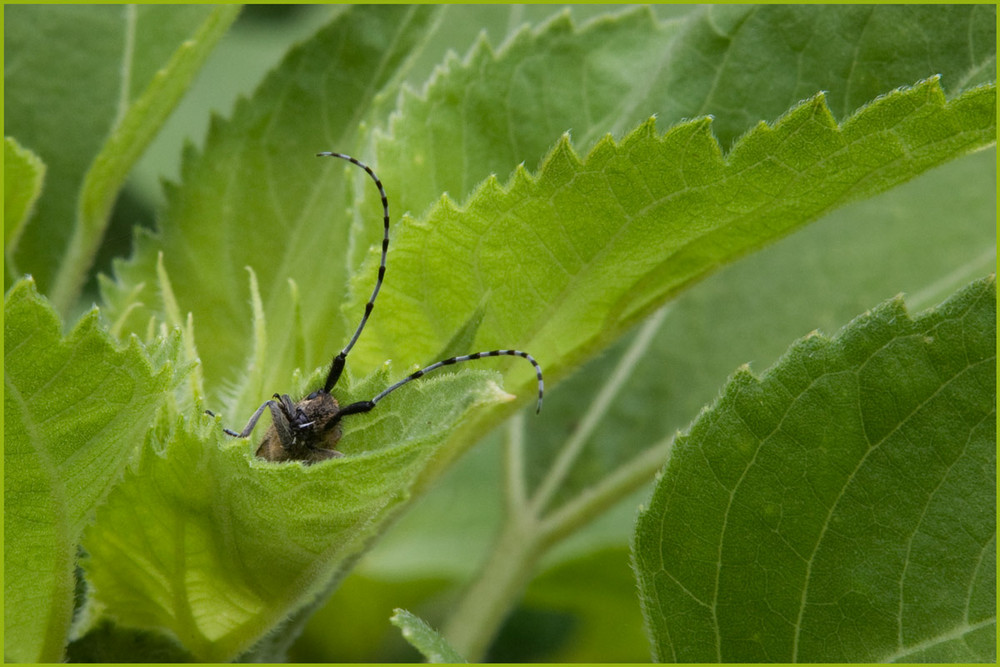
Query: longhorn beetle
[{"x": 308, "y": 430}]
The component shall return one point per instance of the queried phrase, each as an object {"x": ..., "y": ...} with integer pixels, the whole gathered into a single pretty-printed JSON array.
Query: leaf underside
[
  {"x": 189, "y": 540},
  {"x": 589, "y": 246}
]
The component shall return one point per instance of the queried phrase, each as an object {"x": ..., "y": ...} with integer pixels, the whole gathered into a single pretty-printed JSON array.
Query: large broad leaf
[
  {"x": 488, "y": 112},
  {"x": 87, "y": 88},
  {"x": 75, "y": 409},
  {"x": 550, "y": 239},
  {"x": 841, "y": 507},
  {"x": 564, "y": 262},
  {"x": 294, "y": 208},
  {"x": 854, "y": 52},
  {"x": 862, "y": 254}
]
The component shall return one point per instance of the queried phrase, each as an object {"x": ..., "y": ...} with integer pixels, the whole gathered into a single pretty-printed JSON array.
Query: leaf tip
[{"x": 493, "y": 392}]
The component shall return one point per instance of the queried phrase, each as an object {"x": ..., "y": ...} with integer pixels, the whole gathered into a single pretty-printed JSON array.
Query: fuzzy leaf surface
[
  {"x": 75, "y": 410},
  {"x": 215, "y": 547},
  {"x": 841, "y": 507},
  {"x": 256, "y": 196},
  {"x": 814, "y": 279},
  {"x": 490, "y": 99},
  {"x": 495, "y": 108},
  {"x": 309, "y": 207},
  {"x": 792, "y": 288},
  {"x": 755, "y": 61}
]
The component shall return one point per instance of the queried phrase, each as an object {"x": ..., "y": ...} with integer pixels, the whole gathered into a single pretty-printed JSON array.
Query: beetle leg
[{"x": 250, "y": 424}]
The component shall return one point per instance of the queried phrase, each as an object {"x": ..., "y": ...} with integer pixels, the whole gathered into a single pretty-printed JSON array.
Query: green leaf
[
  {"x": 23, "y": 175},
  {"x": 569, "y": 259},
  {"x": 211, "y": 285},
  {"x": 483, "y": 114},
  {"x": 818, "y": 278},
  {"x": 424, "y": 638},
  {"x": 493, "y": 110},
  {"x": 839, "y": 508},
  {"x": 136, "y": 63},
  {"x": 464, "y": 125},
  {"x": 767, "y": 57},
  {"x": 217, "y": 547},
  {"x": 257, "y": 196},
  {"x": 75, "y": 409}
]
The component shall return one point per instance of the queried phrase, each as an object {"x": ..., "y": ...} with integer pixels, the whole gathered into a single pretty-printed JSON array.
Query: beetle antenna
[
  {"x": 337, "y": 366},
  {"x": 365, "y": 406}
]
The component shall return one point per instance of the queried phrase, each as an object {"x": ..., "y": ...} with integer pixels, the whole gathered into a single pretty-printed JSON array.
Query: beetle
[{"x": 308, "y": 430}]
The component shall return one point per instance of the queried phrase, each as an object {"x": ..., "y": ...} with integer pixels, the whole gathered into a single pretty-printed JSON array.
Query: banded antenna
[
  {"x": 337, "y": 366},
  {"x": 365, "y": 406}
]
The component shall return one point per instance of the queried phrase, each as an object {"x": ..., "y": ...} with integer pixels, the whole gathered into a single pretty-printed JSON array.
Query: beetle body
[{"x": 305, "y": 431}]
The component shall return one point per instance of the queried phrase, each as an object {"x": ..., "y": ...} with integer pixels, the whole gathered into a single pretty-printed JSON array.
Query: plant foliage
[
  {"x": 76, "y": 410},
  {"x": 833, "y": 510},
  {"x": 549, "y": 194}
]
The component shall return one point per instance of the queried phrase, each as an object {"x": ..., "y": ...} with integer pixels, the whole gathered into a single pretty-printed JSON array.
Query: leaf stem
[
  {"x": 516, "y": 494},
  {"x": 526, "y": 533},
  {"x": 595, "y": 413},
  {"x": 522, "y": 541},
  {"x": 620, "y": 483},
  {"x": 475, "y": 621}
]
